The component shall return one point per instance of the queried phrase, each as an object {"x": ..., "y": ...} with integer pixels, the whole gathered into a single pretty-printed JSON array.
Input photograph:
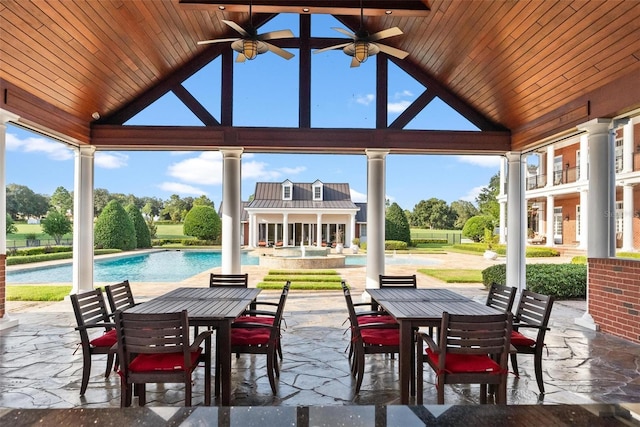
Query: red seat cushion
[
  {"x": 162, "y": 362},
  {"x": 521, "y": 340},
  {"x": 381, "y": 336},
  {"x": 457, "y": 363},
  {"x": 250, "y": 336},
  {"x": 385, "y": 318},
  {"x": 255, "y": 319},
  {"x": 106, "y": 340}
]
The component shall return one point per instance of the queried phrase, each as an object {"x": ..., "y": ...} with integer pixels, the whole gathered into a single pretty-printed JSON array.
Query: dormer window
[
  {"x": 287, "y": 190},
  {"x": 317, "y": 191}
]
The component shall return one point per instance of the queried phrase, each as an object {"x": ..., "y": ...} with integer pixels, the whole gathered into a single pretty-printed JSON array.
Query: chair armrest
[
  {"x": 370, "y": 313},
  {"x": 95, "y": 325},
  {"x": 198, "y": 340},
  {"x": 426, "y": 338},
  {"x": 516, "y": 326},
  {"x": 258, "y": 313},
  {"x": 272, "y": 304}
]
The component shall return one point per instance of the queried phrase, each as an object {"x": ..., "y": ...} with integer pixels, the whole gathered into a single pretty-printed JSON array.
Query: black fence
[{"x": 36, "y": 243}]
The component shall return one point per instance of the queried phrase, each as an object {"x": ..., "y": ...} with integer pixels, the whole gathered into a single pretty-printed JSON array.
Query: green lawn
[
  {"x": 37, "y": 293},
  {"x": 453, "y": 275}
]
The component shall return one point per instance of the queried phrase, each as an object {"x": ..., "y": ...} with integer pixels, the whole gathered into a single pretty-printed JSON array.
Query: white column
[
  {"x": 584, "y": 214},
  {"x": 503, "y": 223},
  {"x": 83, "y": 220},
  {"x": 584, "y": 159},
  {"x": 5, "y": 320},
  {"x": 516, "y": 222},
  {"x": 231, "y": 205},
  {"x": 551, "y": 153},
  {"x": 627, "y": 147},
  {"x": 285, "y": 230},
  {"x": 375, "y": 215},
  {"x": 627, "y": 218},
  {"x": 319, "y": 230},
  {"x": 550, "y": 206},
  {"x": 352, "y": 229},
  {"x": 252, "y": 231}
]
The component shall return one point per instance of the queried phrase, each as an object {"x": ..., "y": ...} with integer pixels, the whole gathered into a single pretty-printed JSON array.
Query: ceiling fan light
[
  {"x": 250, "y": 49},
  {"x": 361, "y": 51}
]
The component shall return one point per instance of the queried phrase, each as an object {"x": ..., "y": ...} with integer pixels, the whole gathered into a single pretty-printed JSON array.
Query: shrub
[
  {"x": 56, "y": 224},
  {"x": 114, "y": 229},
  {"x": 202, "y": 222},
  {"x": 559, "y": 280},
  {"x": 418, "y": 242},
  {"x": 396, "y": 224},
  {"x": 580, "y": 259},
  {"x": 394, "y": 244},
  {"x": 11, "y": 227},
  {"x": 143, "y": 237},
  {"x": 475, "y": 226}
]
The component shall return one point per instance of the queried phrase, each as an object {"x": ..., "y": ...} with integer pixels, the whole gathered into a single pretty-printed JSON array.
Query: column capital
[
  {"x": 514, "y": 156},
  {"x": 6, "y": 116},
  {"x": 231, "y": 152},
  {"x": 599, "y": 125},
  {"x": 376, "y": 153},
  {"x": 86, "y": 150}
]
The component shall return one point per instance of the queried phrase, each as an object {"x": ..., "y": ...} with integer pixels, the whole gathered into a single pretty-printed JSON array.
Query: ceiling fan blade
[
  {"x": 389, "y": 32},
  {"x": 280, "y": 34},
  {"x": 345, "y": 32},
  {"x": 400, "y": 54},
  {"x": 236, "y": 27},
  {"x": 354, "y": 62},
  {"x": 280, "y": 52},
  {"x": 338, "y": 46},
  {"x": 217, "y": 41},
  {"x": 241, "y": 57}
]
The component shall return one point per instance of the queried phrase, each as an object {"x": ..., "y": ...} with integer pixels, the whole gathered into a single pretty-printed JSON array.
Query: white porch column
[
  {"x": 252, "y": 231},
  {"x": 584, "y": 214},
  {"x": 83, "y": 220},
  {"x": 5, "y": 320},
  {"x": 627, "y": 147},
  {"x": 584, "y": 159},
  {"x": 550, "y": 206},
  {"x": 516, "y": 222},
  {"x": 352, "y": 229},
  {"x": 318, "y": 230},
  {"x": 285, "y": 230},
  {"x": 551, "y": 153},
  {"x": 627, "y": 218},
  {"x": 231, "y": 205},
  {"x": 375, "y": 215},
  {"x": 503, "y": 204}
]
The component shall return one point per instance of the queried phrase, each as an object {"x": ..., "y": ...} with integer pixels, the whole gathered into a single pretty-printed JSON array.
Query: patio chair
[
  {"x": 369, "y": 338},
  {"x": 155, "y": 348},
  {"x": 533, "y": 312},
  {"x": 261, "y": 338},
  {"x": 120, "y": 296},
  {"x": 229, "y": 280},
  {"x": 472, "y": 350},
  {"x": 91, "y": 314},
  {"x": 386, "y": 281},
  {"x": 501, "y": 297}
]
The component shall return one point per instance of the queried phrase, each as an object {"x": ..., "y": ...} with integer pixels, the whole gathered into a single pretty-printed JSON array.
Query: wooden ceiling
[{"x": 535, "y": 68}]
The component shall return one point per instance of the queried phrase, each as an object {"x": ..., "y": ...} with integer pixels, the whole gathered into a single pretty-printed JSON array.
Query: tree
[
  {"x": 101, "y": 197},
  {"x": 114, "y": 229},
  {"x": 396, "y": 226},
  {"x": 143, "y": 237},
  {"x": 22, "y": 201},
  {"x": 202, "y": 222},
  {"x": 151, "y": 206},
  {"x": 465, "y": 210},
  {"x": 11, "y": 227},
  {"x": 175, "y": 206},
  {"x": 487, "y": 200},
  {"x": 475, "y": 226},
  {"x": 56, "y": 224},
  {"x": 203, "y": 201},
  {"x": 61, "y": 200},
  {"x": 433, "y": 213}
]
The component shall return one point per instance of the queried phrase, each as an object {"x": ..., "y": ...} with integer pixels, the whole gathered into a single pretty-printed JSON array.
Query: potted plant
[
  {"x": 489, "y": 253},
  {"x": 339, "y": 244},
  {"x": 355, "y": 245}
]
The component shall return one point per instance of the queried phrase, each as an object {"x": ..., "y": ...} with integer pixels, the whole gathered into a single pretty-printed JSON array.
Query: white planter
[
  {"x": 339, "y": 248},
  {"x": 355, "y": 249},
  {"x": 490, "y": 254}
]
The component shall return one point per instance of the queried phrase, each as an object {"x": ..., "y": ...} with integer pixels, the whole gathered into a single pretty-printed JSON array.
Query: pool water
[{"x": 162, "y": 266}]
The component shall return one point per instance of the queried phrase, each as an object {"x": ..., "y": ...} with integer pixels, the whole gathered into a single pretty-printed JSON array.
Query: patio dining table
[
  {"x": 213, "y": 307},
  {"x": 413, "y": 308}
]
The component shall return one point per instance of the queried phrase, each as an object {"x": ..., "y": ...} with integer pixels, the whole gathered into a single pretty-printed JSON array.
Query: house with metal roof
[{"x": 299, "y": 213}]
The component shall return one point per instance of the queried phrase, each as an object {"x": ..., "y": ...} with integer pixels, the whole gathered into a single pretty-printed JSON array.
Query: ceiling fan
[
  {"x": 251, "y": 44},
  {"x": 364, "y": 45}
]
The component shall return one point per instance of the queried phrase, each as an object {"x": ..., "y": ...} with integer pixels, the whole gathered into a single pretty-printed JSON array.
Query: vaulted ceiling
[{"x": 522, "y": 70}]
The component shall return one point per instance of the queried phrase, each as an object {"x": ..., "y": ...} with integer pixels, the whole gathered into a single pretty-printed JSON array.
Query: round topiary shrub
[
  {"x": 114, "y": 229},
  {"x": 475, "y": 226},
  {"x": 143, "y": 237},
  {"x": 202, "y": 222}
]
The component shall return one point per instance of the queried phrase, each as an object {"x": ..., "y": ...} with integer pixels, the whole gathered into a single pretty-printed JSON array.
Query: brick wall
[
  {"x": 3, "y": 260},
  {"x": 614, "y": 296}
]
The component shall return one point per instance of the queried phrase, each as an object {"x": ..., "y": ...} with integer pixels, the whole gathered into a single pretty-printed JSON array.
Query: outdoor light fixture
[
  {"x": 250, "y": 48},
  {"x": 95, "y": 115},
  {"x": 361, "y": 51}
]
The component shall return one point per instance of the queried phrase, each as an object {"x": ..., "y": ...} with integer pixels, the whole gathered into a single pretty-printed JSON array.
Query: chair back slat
[
  {"x": 241, "y": 280},
  {"x": 534, "y": 309},
  {"x": 501, "y": 297},
  {"x": 90, "y": 308},
  {"x": 473, "y": 334},
  {"x": 120, "y": 296},
  {"x": 152, "y": 333},
  {"x": 398, "y": 281}
]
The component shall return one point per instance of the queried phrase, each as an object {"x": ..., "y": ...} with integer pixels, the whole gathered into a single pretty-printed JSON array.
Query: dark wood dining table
[
  {"x": 212, "y": 307},
  {"x": 413, "y": 308}
]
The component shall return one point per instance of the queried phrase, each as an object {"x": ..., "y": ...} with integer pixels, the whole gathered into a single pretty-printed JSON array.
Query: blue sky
[{"x": 265, "y": 94}]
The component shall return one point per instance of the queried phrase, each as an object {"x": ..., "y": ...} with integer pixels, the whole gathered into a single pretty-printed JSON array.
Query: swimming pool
[{"x": 163, "y": 266}]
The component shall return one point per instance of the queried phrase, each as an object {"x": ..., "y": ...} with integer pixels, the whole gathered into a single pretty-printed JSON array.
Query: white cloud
[
  {"x": 293, "y": 171},
  {"x": 472, "y": 194},
  {"x": 482, "y": 161},
  {"x": 181, "y": 189},
  {"x": 260, "y": 171},
  {"x": 403, "y": 94},
  {"x": 365, "y": 99},
  {"x": 206, "y": 169},
  {"x": 35, "y": 144},
  {"x": 398, "y": 107},
  {"x": 357, "y": 197},
  {"x": 111, "y": 160}
]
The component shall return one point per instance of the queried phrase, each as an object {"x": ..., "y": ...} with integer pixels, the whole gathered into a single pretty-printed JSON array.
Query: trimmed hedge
[
  {"x": 39, "y": 251},
  {"x": 394, "y": 244},
  {"x": 531, "y": 252},
  {"x": 563, "y": 281},
  {"x": 416, "y": 242},
  {"x": 302, "y": 278},
  {"x": 26, "y": 259},
  {"x": 301, "y": 272},
  {"x": 305, "y": 286}
]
